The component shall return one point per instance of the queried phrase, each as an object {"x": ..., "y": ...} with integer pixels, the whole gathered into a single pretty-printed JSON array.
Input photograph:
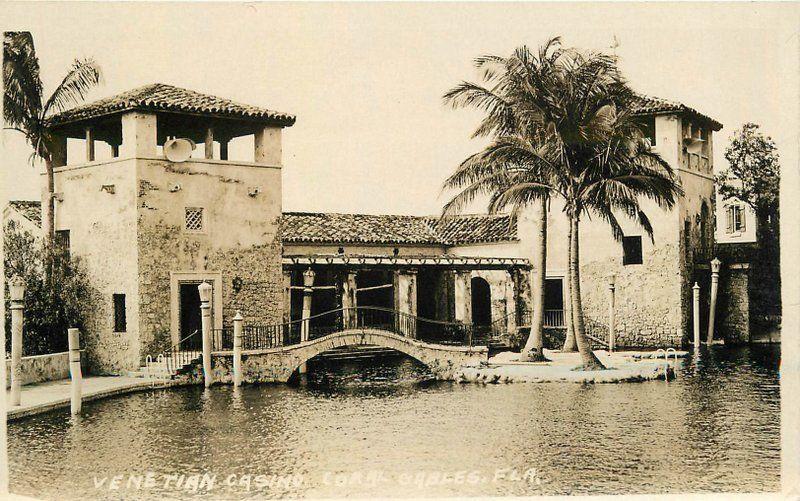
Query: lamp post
[
  {"x": 715, "y": 266},
  {"x": 611, "y": 320},
  {"x": 17, "y": 292},
  {"x": 205, "y": 312},
  {"x": 237, "y": 349}
]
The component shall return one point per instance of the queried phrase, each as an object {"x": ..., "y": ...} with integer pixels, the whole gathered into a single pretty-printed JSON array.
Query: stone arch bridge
[{"x": 279, "y": 363}]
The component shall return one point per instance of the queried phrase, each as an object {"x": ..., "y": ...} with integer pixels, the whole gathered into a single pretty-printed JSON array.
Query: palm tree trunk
[
  {"x": 533, "y": 350},
  {"x": 588, "y": 358},
  {"x": 569, "y": 343},
  {"x": 48, "y": 208}
]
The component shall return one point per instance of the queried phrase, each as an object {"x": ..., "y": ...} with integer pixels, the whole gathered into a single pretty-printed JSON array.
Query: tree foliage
[
  {"x": 753, "y": 173},
  {"x": 26, "y": 111},
  {"x": 563, "y": 124},
  {"x": 54, "y": 301}
]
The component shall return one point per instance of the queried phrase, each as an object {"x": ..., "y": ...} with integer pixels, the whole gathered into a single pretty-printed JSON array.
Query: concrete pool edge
[{"x": 127, "y": 387}]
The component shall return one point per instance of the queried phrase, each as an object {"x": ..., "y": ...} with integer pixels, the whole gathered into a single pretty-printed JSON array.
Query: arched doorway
[{"x": 481, "y": 303}]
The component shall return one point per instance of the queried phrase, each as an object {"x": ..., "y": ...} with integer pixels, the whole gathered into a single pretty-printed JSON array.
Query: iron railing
[
  {"x": 554, "y": 318},
  {"x": 177, "y": 356},
  {"x": 362, "y": 317}
]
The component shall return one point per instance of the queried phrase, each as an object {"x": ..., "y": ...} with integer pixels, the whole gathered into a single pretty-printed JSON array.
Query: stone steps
[{"x": 161, "y": 369}]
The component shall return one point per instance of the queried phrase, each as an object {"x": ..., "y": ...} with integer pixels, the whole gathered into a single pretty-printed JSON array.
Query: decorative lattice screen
[{"x": 194, "y": 218}]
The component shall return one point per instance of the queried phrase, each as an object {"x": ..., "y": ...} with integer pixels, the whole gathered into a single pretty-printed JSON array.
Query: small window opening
[
  {"x": 120, "y": 323},
  {"x": 194, "y": 219},
  {"x": 632, "y": 250}
]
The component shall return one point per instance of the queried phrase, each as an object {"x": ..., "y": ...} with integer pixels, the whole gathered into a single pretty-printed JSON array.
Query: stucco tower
[{"x": 149, "y": 230}]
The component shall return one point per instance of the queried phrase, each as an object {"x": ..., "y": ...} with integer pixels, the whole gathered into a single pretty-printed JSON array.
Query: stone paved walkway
[{"x": 44, "y": 397}]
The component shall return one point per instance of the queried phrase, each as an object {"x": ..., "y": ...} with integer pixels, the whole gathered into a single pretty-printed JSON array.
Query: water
[{"x": 360, "y": 430}]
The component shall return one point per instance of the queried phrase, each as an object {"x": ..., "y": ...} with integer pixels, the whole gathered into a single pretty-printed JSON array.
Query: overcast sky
[{"x": 366, "y": 80}]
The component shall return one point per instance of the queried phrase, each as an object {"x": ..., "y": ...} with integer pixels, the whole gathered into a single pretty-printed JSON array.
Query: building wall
[
  {"x": 734, "y": 305},
  {"x": 652, "y": 306},
  {"x": 98, "y": 207},
  {"x": 501, "y": 288},
  {"x": 240, "y": 239},
  {"x": 721, "y": 234}
]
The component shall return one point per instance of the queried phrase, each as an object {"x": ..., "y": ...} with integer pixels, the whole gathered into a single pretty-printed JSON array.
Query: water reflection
[{"x": 361, "y": 429}]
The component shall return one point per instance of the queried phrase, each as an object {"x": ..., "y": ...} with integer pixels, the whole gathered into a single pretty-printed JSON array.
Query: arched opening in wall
[{"x": 481, "y": 303}]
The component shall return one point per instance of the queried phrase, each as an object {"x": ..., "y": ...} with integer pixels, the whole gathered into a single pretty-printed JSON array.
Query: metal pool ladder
[{"x": 666, "y": 354}]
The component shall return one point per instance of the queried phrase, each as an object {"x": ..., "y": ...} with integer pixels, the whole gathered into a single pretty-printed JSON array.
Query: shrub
[{"x": 57, "y": 292}]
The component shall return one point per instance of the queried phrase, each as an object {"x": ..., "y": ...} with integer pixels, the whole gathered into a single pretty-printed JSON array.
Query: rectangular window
[
  {"x": 120, "y": 323},
  {"x": 194, "y": 219},
  {"x": 632, "y": 250},
  {"x": 62, "y": 242},
  {"x": 735, "y": 219}
]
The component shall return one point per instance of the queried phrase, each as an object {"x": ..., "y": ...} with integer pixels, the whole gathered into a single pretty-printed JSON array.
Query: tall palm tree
[
  {"x": 25, "y": 109},
  {"x": 583, "y": 144},
  {"x": 492, "y": 171}
]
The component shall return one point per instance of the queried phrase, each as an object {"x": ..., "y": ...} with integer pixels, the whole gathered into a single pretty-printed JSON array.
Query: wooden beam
[
  {"x": 223, "y": 149},
  {"x": 114, "y": 150},
  {"x": 210, "y": 142},
  {"x": 385, "y": 286},
  {"x": 89, "y": 144}
]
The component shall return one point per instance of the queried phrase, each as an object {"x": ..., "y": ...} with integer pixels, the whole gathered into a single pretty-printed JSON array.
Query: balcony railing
[{"x": 554, "y": 318}]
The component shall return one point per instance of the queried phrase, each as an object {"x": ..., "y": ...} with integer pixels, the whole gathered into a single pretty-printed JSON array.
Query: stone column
[
  {"x": 308, "y": 291},
  {"x": 138, "y": 135},
  {"x": 463, "y": 294},
  {"x": 524, "y": 303},
  {"x": 349, "y": 300},
  {"x": 17, "y": 292},
  {"x": 463, "y": 300},
  {"x": 715, "y": 265},
  {"x": 268, "y": 146},
  {"x": 209, "y": 143},
  {"x": 237, "y": 349},
  {"x": 611, "y": 320},
  {"x": 76, "y": 378},
  {"x": 287, "y": 296},
  {"x": 511, "y": 306},
  {"x": 89, "y": 144},
  {"x": 205, "y": 311},
  {"x": 406, "y": 301},
  {"x": 696, "y": 316}
]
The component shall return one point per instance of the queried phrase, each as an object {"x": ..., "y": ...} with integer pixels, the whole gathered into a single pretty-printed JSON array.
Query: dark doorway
[
  {"x": 481, "y": 303},
  {"x": 189, "y": 304},
  {"x": 554, "y": 302},
  {"x": 554, "y": 294}
]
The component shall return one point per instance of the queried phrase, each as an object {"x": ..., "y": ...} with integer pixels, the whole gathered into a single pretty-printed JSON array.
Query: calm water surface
[{"x": 356, "y": 429}]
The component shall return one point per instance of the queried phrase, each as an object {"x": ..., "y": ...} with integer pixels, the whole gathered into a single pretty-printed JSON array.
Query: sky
[{"x": 366, "y": 80}]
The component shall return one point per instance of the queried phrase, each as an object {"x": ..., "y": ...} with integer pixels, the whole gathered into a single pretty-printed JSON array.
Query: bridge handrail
[{"x": 175, "y": 358}]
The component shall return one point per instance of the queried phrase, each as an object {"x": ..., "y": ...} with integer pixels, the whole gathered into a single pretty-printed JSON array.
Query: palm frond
[{"x": 84, "y": 75}]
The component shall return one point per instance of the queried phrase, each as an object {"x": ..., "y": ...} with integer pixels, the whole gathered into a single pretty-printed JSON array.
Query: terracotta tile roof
[
  {"x": 649, "y": 105},
  {"x": 31, "y": 209},
  {"x": 393, "y": 229},
  {"x": 163, "y": 97},
  {"x": 476, "y": 228}
]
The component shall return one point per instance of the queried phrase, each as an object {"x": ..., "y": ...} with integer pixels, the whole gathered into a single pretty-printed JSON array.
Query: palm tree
[
  {"x": 582, "y": 143},
  {"x": 25, "y": 110},
  {"x": 493, "y": 172}
]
